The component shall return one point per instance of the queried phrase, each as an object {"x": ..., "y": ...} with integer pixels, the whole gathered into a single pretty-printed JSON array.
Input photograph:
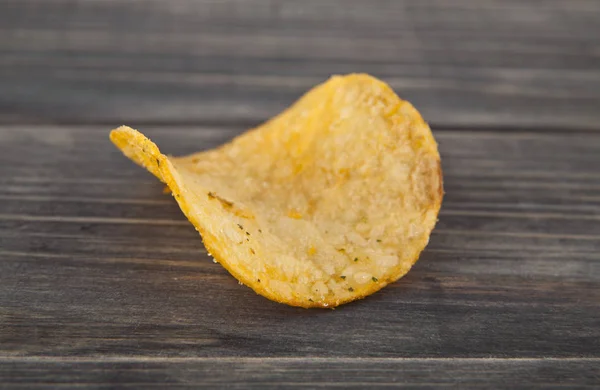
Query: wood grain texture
[
  {"x": 304, "y": 373},
  {"x": 479, "y": 64},
  {"x": 96, "y": 262}
]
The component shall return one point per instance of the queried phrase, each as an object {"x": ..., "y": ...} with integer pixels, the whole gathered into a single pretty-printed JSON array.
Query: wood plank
[
  {"x": 248, "y": 373},
  {"x": 462, "y": 63},
  {"x": 96, "y": 260}
]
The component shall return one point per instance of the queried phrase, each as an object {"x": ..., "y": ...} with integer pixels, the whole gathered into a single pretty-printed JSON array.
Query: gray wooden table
[{"x": 103, "y": 282}]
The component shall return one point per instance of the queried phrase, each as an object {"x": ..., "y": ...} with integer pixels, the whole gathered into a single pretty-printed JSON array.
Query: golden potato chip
[{"x": 326, "y": 203}]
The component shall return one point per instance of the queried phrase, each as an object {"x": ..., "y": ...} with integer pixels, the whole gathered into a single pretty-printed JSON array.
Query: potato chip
[{"x": 326, "y": 203}]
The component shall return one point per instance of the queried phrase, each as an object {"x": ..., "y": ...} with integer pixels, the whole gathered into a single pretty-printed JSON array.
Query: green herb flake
[
  {"x": 343, "y": 277},
  {"x": 240, "y": 226},
  {"x": 374, "y": 279},
  {"x": 356, "y": 259},
  {"x": 378, "y": 240},
  {"x": 350, "y": 289}
]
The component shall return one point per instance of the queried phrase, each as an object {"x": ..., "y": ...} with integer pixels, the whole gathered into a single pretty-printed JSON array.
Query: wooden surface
[
  {"x": 277, "y": 373},
  {"x": 104, "y": 284},
  {"x": 464, "y": 63}
]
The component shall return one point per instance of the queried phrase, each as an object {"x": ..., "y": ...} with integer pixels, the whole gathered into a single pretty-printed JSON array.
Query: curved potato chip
[{"x": 326, "y": 203}]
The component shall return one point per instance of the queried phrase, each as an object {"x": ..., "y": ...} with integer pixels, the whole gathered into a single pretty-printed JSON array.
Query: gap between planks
[
  {"x": 166, "y": 222},
  {"x": 447, "y": 204},
  {"x": 142, "y": 221},
  {"x": 236, "y": 126},
  {"x": 311, "y": 359}
]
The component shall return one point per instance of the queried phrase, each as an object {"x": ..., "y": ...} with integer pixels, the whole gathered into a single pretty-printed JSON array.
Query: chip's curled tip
[{"x": 326, "y": 203}]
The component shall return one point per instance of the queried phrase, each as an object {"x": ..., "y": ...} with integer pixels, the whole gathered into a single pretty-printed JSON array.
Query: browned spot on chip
[{"x": 228, "y": 205}]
